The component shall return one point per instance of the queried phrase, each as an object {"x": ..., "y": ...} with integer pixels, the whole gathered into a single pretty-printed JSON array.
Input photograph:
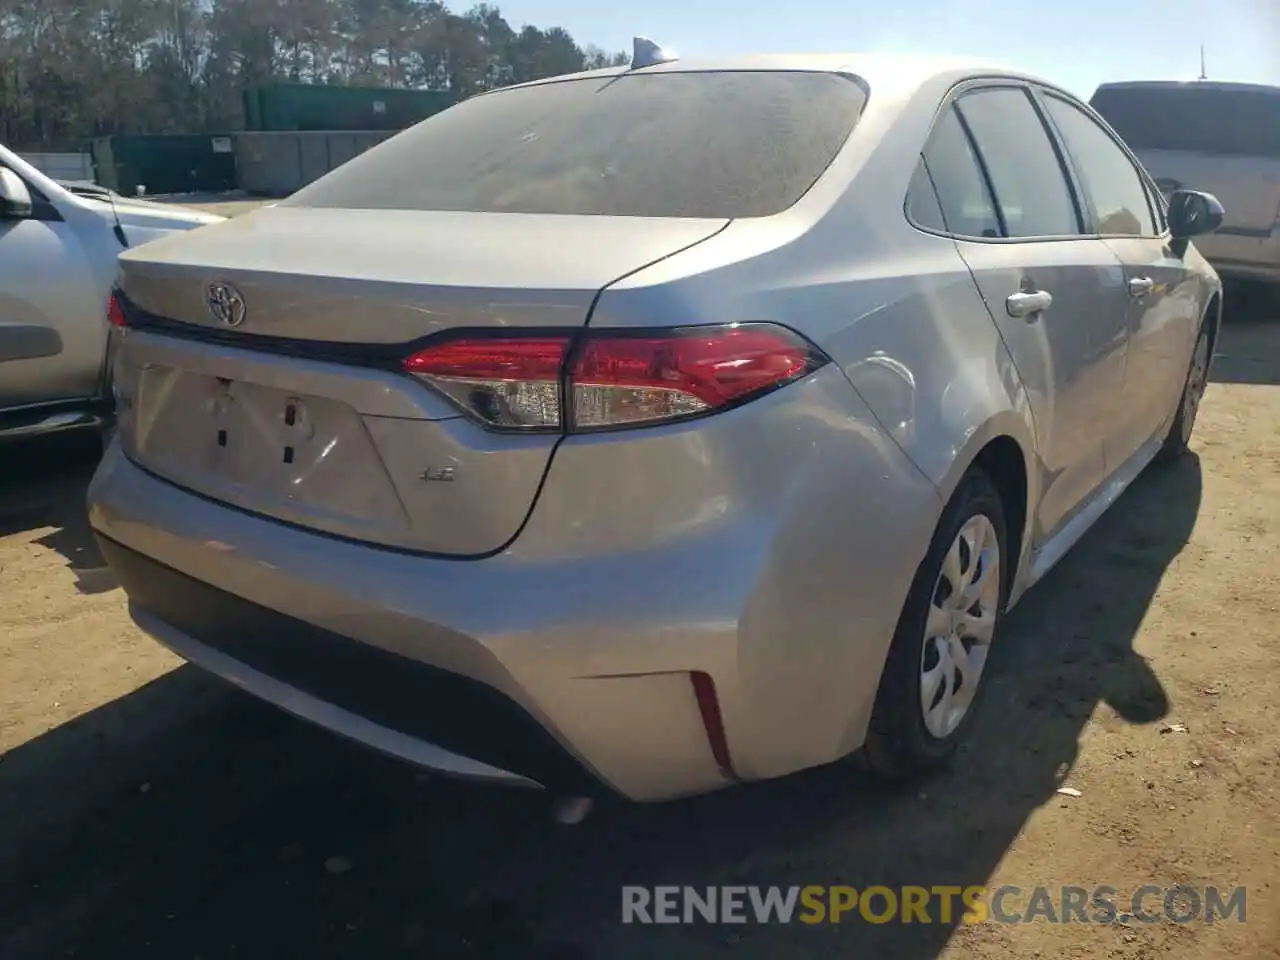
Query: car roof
[
  {"x": 1225, "y": 85},
  {"x": 882, "y": 71}
]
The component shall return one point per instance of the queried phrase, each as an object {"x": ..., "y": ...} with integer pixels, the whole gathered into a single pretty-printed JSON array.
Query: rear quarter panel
[
  {"x": 896, "y": 308},
  {"x": 770, "y": 546},
  {"x": 919, "y": 356}
]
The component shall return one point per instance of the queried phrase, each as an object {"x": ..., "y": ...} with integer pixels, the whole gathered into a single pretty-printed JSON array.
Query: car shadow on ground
[
  {"x": 42, "y": 485},
  {"x": 185, "y": 820}
]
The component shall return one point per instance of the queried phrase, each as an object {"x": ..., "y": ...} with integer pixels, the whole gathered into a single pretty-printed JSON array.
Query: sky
[{"x": 1075, "y": 43}]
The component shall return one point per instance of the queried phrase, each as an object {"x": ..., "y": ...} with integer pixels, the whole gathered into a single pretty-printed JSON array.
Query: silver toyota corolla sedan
[{"x": 657, "y": 428}]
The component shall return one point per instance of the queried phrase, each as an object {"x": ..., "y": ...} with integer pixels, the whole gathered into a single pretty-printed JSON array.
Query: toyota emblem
[{"x": 225, "y": 303}]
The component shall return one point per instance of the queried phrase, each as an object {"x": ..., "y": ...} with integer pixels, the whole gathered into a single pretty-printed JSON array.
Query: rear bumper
[
  {"x": 399, "y": 706},
  {"x": 777, "y": 568},
  {"x": 459, "y": 666}
]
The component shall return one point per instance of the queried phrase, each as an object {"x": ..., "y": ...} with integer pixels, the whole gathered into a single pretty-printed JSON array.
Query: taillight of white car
[
  {"x": 115, "y": 311},
  {"x": 608, "y": 379}
]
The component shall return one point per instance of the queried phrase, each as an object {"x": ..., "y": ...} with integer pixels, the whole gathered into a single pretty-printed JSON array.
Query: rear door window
[
  {"x": 1111, "y": 182},
  {"x": 667, "y": 144},
  {"x": 949, "y": 162},
  {"x": 1021, "y": 162},
  {"x": 1194, "y": 117}
]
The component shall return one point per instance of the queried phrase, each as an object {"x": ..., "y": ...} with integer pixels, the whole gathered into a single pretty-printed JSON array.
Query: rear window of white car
[
  {"x": 1194, "y": 117},
  {"x": 697, "y": 144}
]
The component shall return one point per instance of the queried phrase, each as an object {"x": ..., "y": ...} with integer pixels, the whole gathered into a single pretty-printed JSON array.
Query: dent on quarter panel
[
  {"x": 931, "y": 366},
  {"x": 754, "y": 526},
  {"x": 23, "y": 341}
]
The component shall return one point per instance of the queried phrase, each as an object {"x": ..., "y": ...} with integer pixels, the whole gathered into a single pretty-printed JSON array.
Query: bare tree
[{"x": 74, "y": 69}]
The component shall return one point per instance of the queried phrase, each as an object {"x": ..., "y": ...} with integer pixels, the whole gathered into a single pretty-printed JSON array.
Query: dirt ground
[{"x": 147, "y": 811}]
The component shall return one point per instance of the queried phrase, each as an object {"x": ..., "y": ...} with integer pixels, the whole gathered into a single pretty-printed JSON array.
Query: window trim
[
  {"x": 984, "y": 173},
  {"x": 1029, "y": 89},
  {"x": 923, "y": 162},
  {"x": 1144, "y": 178},
  {"x": 1155, "y": 196},
  {"x": 948, "y": 104}
]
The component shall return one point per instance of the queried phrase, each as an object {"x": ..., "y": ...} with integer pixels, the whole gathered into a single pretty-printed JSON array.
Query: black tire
[
  {"x": 1178, "y": 440},
  {"x": 898, "y": 743}
]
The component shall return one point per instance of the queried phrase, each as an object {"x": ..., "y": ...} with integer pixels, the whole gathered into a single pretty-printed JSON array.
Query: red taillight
[
  {"x": 625, "y": 380},
  {"x": 115, "y": 311},
  {"x": 704, "y": 692},
  {"x": 615, "y": 378},
  {"x": 512, "y": 383}
]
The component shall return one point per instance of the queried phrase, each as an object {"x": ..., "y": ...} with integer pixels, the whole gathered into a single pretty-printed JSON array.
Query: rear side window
[
  {"x": 923, "y": 208},
  {"x": 709, "y": 144},
  {"x": 966, "y": 206},
  {"x": 1220, "y": 121},
  {"x": 1112, "y": 183},
  {"x": 1026, "y": 175}
]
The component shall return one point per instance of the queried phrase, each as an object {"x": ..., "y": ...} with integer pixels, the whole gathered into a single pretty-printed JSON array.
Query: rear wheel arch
[
  {"x": 900, "y": 742},
  {"x": 1004, "y": 449},
  {"x": 1003, "y": 444},
  {"x": 1005, "y": 465},
  {"x": 997, "y": 465}
]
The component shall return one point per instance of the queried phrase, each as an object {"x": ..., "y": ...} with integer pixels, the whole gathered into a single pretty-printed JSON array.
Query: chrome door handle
[
  {"x": 1140, "y": 286},
  {"x": 1029, "y": 305}
]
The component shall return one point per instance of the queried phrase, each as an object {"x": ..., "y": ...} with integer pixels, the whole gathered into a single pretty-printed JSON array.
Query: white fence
[{"x": 62, "y": 166}]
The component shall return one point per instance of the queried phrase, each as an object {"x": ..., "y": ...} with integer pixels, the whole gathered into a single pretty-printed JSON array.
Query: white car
[
  {"x": 1222, "y": 138},
  {"x": 58, "y": 251}
]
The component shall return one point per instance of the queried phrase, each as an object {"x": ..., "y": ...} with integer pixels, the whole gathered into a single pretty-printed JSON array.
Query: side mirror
[
  {"x": 1193, "y": 214},
  {"x": 15, "y": 198}
]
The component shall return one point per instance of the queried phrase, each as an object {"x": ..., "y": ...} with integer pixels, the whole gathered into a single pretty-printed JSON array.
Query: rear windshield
[
  {"x": 1202, "y": 119},
  {"x": 717, "y": 145}
]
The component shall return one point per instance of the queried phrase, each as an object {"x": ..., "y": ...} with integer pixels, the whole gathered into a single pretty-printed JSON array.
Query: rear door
[
  {"x": 1163, "y": 310},
  {"x": 1057, "y": 297},
  {"x": 1220, "y": 138}
]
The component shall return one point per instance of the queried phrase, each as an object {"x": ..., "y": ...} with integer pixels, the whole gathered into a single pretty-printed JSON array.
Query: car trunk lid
[
  {"x": 392, "y": 276},
  {"x": 300, "y": 411}
]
